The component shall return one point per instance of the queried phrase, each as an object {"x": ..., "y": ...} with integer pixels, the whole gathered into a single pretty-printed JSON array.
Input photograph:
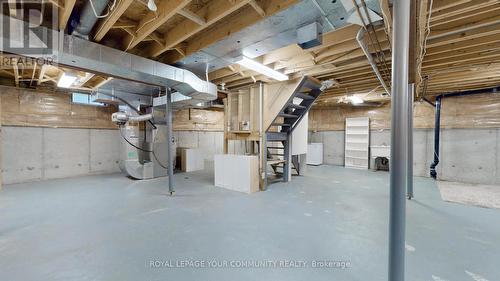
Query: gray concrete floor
[
  {"x": 481, "y": 195},
  {"x": 110, "y": 228}
]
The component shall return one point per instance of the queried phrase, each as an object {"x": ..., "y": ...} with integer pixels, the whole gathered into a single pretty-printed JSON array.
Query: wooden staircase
[{"x": 278, "y": 133}]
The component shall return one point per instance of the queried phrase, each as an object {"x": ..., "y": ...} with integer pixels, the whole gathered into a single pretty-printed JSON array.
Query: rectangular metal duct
[
  {"x": 310, "y": 36},
  {"x": 91, "y": 57}
]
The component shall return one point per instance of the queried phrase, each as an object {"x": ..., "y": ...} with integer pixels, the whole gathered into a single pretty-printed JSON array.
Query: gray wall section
[
  {"x": 467, "y": 155},
  {"x": 210, "y": 143},
  {"x": 31, "y": 154}
]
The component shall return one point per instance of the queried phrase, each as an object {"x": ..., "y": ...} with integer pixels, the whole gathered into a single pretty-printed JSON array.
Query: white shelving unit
[{"x": 357, "y": 140}]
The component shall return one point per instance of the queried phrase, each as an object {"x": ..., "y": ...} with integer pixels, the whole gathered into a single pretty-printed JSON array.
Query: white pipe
[{"x": 361, "y": 42}]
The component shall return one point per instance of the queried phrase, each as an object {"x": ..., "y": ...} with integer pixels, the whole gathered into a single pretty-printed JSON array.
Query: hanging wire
[
  {"x": 378, "y": 58},
  {"x": 423, "y": 51},
  {"x": 110, "y": 8}
]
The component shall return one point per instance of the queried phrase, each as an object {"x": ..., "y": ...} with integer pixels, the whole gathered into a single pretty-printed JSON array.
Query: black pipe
[
  {"x": 437, "y": 125},
  {"x": 428, "y": 101},
  {"x": 437, "y": 129},
  {"x": 473, "y": 92}
]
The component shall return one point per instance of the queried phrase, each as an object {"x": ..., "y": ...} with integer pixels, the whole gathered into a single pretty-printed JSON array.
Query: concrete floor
[
  {"x": 110, "y": 228},
  {"x": 481, "y": 195}
]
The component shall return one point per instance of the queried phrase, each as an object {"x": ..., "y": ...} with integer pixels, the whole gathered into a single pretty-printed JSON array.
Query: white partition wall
[{"x": 357, "y": 139}]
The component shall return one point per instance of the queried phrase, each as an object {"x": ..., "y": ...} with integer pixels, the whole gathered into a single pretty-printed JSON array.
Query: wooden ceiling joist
[
  {"x": 65, "y": 12},
  {"x": 41, "y": 74},
  {"x": 257, "y": 8},
  {"x": 214, "y": 11},
  {"x": 223, "y": 21},
  {"x": 104, "y": 25},
  {"x": 153, "y": 20},
  {"x": 192, "y": 16}
]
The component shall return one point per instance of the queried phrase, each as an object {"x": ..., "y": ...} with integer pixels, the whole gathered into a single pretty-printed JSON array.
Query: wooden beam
[
  {"x": 387, "y": 16},
  {"x": 446, "y": 4},
  {"x": 214, "y": 11},
  {"x": 100, "y": 84},
  {"x": 124, "y": 23},
  {"x": 57, "y": 3},
  {"x": 41, "y": 74},
  {"x": 192, "y": 16},
  {"x": 464, "y": 27},
  {"x": 65, "y": 12},
  {"x": 15, "y": 69},
  {"x": 12, "y": 8},
  {"x": 258, "y": 8},
  {"x": 233, "y": 23},
  {"x": 104, "y": 25},
  {"x": 153, "y": 20}
]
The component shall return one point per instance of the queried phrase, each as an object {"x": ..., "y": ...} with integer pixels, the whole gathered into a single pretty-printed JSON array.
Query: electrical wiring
[
  {"x": 423, "y": 51},
  {"x": 142, "y": 149},
  {"x": 110, "y": 8},
  {"x": 133, "y": 145}
]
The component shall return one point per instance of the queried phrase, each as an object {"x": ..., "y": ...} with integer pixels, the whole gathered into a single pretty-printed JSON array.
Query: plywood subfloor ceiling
[
  {"x": 456, "y": 47},
  {"x": 176, "y": 29}
]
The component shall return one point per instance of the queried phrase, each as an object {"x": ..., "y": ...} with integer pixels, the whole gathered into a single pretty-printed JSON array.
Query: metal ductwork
[
  {"x": 360, "y": 38},
  {"x": 91, "y": 57},
  {"x": 310, "y": 36},
  {"x": 88, "y": 17}
]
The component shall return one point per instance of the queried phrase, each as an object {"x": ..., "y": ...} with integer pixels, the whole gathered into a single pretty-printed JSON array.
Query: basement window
[{"x": 85, "y": 99}]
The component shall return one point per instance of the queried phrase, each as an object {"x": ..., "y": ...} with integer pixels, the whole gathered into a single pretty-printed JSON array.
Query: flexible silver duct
[
  {"x": 88, "y": 17},
  {"x": 360, "y": 38}
]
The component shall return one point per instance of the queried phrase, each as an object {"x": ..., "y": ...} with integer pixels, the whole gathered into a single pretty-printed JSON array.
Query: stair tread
[
  {"x": 280, "y": 124},
  {"x": 286, "y": 115},
  {"x": 298, "y": 106},
  {"x": 293, "y": 168},
  {"x": 304, "y": 96},
  {"x": 275, "y": 161}
]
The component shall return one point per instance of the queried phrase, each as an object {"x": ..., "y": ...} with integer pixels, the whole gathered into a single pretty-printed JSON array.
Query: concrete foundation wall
[
  {"x": 31, "y": 153},
  {"x": 467, "y": 155},
  {"x": 210, "y": 143}
]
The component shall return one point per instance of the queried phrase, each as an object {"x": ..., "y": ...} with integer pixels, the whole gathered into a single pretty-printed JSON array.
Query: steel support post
[
  {"x": 409, "y": 175},
  {"x": 399, "y": 140},
  {"x": 170, "y": 141},
  {"x": 287, "y": 166}
]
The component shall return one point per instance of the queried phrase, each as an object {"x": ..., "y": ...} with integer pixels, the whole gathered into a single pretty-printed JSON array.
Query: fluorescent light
[
  {"x": 356, "y": 100},
  {"x": 260, "y": 68},
  {"x": 66, "y": 80}
]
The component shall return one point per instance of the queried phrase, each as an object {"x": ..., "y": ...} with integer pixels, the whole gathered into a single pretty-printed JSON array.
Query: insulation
[
  {"x": 475, "y": 111},
  {"x": 198, "y": 120},
  {"x": 21, "y": 107}
]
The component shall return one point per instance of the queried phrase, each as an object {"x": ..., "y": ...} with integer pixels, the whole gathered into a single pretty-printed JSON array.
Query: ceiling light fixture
[
  {"x": 152, "y": 5},
  {"x": 356, "y": 100},
  {"x": 260, "y": 68},
  {"x": 66, "y": 80}
]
